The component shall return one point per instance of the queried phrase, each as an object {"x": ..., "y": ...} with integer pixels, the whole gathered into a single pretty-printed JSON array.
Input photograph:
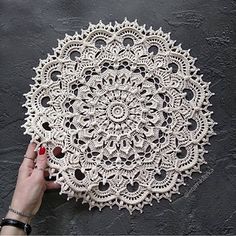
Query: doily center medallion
[
  {"x": 123, "y": 112},
  {"x": 117, "y": 111}
]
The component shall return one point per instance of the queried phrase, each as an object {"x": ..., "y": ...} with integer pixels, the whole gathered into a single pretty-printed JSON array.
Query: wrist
[
  {"x": 19, "y": 214},
  {"x": 11, "y": 230},
  {"x": 15, "y": 216},
  {"x": 10, "y": 226}
]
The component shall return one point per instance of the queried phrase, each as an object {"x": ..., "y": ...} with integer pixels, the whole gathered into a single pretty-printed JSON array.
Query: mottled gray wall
[{"x": 28, "y": 31}]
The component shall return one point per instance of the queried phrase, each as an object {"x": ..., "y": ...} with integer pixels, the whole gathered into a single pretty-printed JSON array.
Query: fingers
[
  {"x": 36, "y": 167},
  {"x": 30, "y": 153},
  {"x": 41, "y": 163},
  {"x": 28, "y": 164},
  {"x": 52, "y": 185}
]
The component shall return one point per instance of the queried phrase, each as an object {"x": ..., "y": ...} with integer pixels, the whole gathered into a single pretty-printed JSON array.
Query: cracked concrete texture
[{"x": 30, "y": 29}]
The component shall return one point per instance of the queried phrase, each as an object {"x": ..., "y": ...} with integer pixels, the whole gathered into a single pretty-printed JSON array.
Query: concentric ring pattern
[{"x": 123, "y": 112}]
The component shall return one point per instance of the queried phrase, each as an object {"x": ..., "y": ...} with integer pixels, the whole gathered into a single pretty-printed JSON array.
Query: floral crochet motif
[{"x": 123, "y": 113}]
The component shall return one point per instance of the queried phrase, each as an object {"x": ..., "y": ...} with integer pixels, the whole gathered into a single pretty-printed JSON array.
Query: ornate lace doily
[{"x": 123, "y": 112}]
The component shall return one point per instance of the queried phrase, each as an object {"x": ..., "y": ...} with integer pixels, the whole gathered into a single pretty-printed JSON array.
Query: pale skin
[{"x": 30, "y": 188}]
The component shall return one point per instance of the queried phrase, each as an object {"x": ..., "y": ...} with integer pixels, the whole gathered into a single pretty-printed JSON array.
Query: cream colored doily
[{"x": 128, "y": 110}]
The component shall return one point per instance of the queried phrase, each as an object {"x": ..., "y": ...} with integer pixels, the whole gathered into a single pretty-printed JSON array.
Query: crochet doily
[{"x": 123, "y": 112}]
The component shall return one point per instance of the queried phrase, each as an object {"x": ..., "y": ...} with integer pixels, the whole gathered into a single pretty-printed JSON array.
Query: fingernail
[{"x": 42, "y": 150}]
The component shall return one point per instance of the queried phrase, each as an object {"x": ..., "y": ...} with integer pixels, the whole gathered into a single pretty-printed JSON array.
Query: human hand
[{"x": 31, "y": 184}]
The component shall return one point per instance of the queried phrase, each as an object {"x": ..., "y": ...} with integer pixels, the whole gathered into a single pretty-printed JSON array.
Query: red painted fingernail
[{"x": 42, "y": 150}]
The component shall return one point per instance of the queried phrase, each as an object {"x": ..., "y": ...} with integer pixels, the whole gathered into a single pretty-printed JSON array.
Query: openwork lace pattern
[{"x": 123, "y": 112}]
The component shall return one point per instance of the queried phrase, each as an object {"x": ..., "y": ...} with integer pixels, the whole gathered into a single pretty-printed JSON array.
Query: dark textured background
[{"x": 29, "y": 30}]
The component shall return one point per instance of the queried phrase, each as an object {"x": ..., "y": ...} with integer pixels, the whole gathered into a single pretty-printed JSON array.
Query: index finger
[{"x": 30, "y": 156}]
